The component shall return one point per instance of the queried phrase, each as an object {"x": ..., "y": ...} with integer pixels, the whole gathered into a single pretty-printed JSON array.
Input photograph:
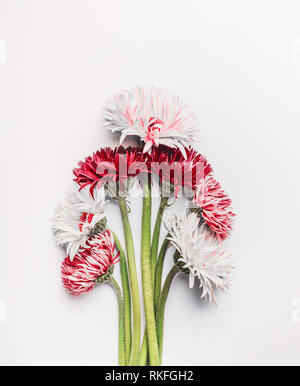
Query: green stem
[
  {"x": 160, "y": 311},
  {"x": 156, "y": 233},
  {"x": 114, "y": 284},
  {"x": 135, "y": 295},
  {"x": 147, "y": 277},
  {"x": 144, "y": 350},
  {"x": 126, "y": 293},
  {"x": 159, "y": 268},
  {"x": 157, "y": 288}
]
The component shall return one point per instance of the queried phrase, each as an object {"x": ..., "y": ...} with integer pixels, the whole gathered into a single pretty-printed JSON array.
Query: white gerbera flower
[
  {"x": 78, "y": 217},
  {"x": 200, "y": 254},
  {"x": 155, "y": 118}
]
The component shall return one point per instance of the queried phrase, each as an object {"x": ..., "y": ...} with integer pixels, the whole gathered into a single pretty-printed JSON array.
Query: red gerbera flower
[
  {"x": 171, "y": 166},
  {"x": 110, "y": 165},
  {"x": 90, "y": 264},
  {"x": 215, "y": 207}
]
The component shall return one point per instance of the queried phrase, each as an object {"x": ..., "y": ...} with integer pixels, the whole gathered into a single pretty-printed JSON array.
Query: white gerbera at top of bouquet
[
  {"x": 155, "y": 117},
  {"x": 78, "y": 217},
  {"x": 200, "y": 254}
]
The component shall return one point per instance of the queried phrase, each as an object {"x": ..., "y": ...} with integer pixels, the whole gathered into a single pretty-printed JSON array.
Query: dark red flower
[
  {"x": 110, "y": 165},
  {"x": 171, "y": 166}
]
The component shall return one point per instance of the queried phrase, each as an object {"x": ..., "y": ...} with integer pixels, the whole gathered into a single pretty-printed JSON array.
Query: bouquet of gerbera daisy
[{"x": 165, "y": 129}]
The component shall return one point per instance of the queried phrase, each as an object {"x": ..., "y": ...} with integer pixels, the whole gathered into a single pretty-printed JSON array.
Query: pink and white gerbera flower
[
  {"x": 200, "y": 255},
  {"x": 215, "y": 207},
  {"x": 154, "y": 117},
  {"x": 91, "y": 265},
  {"x": 77, "y": 218}
]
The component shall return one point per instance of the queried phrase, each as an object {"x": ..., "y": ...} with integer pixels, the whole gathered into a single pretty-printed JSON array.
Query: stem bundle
[
  {"x": 135, "y": 295},
  {"x": 147, "y": 278},
  {"x": 154, "y": 297}
]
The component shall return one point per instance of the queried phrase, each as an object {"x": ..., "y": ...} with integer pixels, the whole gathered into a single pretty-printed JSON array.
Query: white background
[{"x": 238, "y": 64}]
